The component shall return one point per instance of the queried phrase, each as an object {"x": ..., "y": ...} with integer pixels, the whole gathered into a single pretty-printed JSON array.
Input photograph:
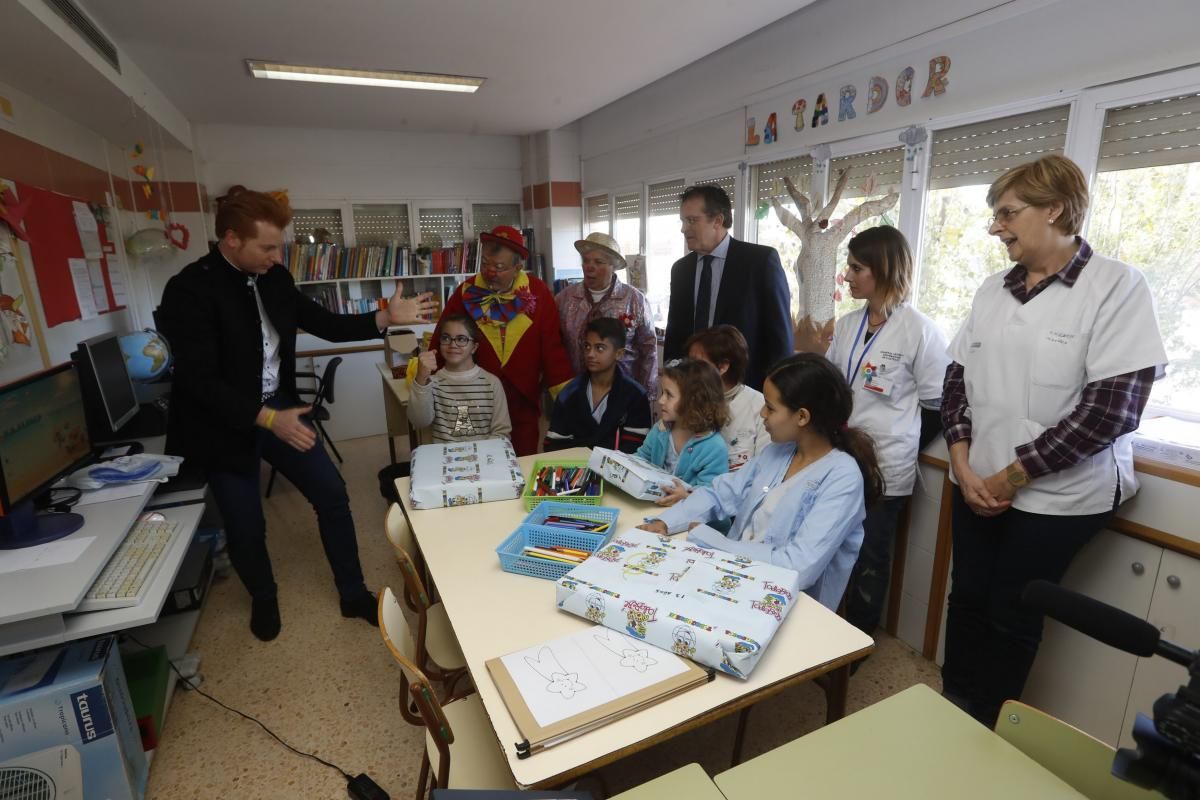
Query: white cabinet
[
  {"x": 1173, "y": 611},
  {"x": 1076, "y": 678}
]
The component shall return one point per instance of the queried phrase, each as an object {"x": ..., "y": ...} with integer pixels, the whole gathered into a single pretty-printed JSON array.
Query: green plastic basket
[{"x": 532, "y": 501}]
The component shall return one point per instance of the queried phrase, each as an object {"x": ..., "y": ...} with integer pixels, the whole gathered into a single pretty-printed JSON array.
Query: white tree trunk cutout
[{"x": 816, "y": 266}]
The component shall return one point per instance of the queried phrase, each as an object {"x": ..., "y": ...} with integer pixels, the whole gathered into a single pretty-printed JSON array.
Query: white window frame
[{"x": 1084, "y": 147}]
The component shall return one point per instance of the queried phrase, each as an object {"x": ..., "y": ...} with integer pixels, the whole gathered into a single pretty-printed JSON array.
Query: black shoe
[
  {"x": 364, "y": 606},
  {"x": 264, "y": 617}
]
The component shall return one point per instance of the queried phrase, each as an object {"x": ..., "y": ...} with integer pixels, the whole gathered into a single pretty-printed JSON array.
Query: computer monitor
[
  {"x": 43, "y": 436},
  {"x": 108, "y": 393}
]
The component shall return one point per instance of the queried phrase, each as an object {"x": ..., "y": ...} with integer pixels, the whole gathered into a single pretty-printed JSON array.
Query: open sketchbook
[{"x": 563, "y": 688}]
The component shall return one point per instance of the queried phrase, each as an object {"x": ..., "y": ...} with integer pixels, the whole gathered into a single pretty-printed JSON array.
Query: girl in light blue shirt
[
  {"x": 686, "y": 441},
  {"x": 801, "y": 502}
]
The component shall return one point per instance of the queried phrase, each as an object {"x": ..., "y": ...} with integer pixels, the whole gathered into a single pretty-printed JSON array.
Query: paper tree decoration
[{"x": 816, "y": 266}]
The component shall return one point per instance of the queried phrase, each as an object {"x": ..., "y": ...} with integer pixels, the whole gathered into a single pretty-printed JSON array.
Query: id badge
[{"x": 874, "y": 380}]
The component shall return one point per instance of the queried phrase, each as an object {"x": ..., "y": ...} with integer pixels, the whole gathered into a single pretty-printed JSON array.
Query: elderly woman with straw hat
[{"x": 602, "y": 294}]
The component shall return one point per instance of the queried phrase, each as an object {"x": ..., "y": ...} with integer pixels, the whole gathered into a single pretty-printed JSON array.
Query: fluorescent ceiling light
[{"x": 362, "y": 77}]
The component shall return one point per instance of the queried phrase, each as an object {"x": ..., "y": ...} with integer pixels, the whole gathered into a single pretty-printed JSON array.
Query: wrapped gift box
[
  {"x": 637, "y": 477},
  {"x": 715, "y": 608},
  {"x": 463, "y": 473}
]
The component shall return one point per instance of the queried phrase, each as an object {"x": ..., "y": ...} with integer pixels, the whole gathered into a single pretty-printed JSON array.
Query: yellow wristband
[{"x": 270, "y": 419}]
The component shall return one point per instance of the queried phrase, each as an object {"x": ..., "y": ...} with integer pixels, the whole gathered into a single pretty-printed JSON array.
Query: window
[
  {"x": 628, "y": 228},
  {"x": 664, "y": 246},
  {"x": 1144, "y": 211},
  {"x": 486, "y": 216},
  {"x": 596, "y": 214},
  {"x": 441, "y": 227},
  {"x": 768, "y": 183},
  {"x": 321, "y": 224},
  {"x": 381, "y": 224},
  {"x": 872, "y": 176},
  {"x": 958, "y": 252}
]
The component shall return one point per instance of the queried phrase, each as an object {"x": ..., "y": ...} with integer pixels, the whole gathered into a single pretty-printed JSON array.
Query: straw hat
[{"x": 604, "y": 243}]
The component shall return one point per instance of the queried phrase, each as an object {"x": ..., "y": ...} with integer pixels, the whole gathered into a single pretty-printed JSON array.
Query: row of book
[
  {"x": 329, "y": 297},
  {"x": 325, "y": 262}
]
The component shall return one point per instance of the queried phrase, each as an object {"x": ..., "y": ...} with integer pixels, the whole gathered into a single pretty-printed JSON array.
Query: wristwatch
[{"x": 1017, "y": 477}]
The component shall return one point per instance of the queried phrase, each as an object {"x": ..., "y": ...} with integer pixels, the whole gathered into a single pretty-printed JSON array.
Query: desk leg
[
  {"x": 836, "y": 688},
  {"x": 391, "y": 447},
  {"x": 739, "y": 739}
]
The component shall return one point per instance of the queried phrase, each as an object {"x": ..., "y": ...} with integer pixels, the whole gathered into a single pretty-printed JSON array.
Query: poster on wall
[{"x": 21, "y": 347}]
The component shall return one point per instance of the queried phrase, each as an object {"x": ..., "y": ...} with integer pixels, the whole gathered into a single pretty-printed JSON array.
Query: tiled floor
[{"x": 328, "y": 686}]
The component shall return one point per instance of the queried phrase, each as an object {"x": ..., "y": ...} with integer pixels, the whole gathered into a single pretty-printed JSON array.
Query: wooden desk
[
  {"x": 494, "y": 612},
  {"x": 395, "y": 405},
  {"x": 915, "y": 744}
]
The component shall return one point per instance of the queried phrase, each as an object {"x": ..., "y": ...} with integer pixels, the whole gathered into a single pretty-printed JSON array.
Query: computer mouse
[{"x": 155, "y": 516}]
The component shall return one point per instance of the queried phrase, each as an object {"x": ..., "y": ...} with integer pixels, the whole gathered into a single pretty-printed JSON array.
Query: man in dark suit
[
  {"x": 726, "y": 281},
  {"x": 231, "y": 319}
]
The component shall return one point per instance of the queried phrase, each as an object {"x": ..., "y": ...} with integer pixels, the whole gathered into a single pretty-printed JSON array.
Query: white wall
[
  {"x": 1000, "y": 52},
  {"x": 360, "y": 165}
]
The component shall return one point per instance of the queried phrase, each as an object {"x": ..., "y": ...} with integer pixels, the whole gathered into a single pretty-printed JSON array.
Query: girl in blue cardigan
[
  {"x": 800, "y": 503},
  {"x": 686, "y": 441}
]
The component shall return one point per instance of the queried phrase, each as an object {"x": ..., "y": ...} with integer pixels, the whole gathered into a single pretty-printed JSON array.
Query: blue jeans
[
  {"x": 238, "y": 496},
  {"x": 868, "y": 585}
]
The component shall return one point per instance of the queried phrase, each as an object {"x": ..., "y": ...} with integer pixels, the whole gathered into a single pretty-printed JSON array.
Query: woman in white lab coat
[
  {"x": 894, "y": 358},
  {"x": 1050, "y": 374}
]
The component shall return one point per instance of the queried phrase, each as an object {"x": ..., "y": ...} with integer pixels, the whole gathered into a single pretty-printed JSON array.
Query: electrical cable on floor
[{"x": 358, "y": 784}]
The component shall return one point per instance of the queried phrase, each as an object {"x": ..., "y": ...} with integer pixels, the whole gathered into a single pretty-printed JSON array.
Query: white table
[{"x": 495, "y": 612}]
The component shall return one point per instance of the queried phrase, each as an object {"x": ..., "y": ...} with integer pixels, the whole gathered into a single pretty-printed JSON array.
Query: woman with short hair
[
  {"x": 602, "y": 294},
  {"x": 1050, "y": 374}
]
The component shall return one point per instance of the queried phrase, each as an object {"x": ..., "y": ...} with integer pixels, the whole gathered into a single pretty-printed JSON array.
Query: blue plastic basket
[{"x": 533, "y": 533}]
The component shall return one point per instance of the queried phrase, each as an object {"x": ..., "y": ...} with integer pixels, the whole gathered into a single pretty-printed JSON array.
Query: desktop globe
[{"x": 147, "y": 355}]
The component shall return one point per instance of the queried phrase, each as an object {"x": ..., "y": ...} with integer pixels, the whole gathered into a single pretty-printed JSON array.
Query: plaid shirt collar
[{"x": 1014, "y": 280}]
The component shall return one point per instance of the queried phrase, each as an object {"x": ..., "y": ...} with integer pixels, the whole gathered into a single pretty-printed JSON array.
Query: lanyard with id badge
[{"x": 873, "y": 381}]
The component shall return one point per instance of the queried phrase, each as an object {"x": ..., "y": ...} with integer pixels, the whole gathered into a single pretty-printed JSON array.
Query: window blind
[
  {"x": 1151, "y": 134},
  {"x": 664, "y": 198},
  {"x": 306, "y": 221},
  {"x": 441, "y": 227},
  {"x": 629, "y": 206},
  {"x": 381, "y": 224},
  {"x": 485, "y": 216},
  {"x": 596, "y": 210},
  {"x": 975, "y": 154},
  {"x": 886, "y": 165},
  {"x": 768, "y": 181}
]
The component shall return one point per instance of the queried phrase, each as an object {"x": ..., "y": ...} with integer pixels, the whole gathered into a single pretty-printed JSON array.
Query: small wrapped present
[{"x": 459, "y": 474}]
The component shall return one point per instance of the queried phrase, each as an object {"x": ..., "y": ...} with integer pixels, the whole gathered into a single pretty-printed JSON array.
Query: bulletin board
[{"x": 54, "y": 240}]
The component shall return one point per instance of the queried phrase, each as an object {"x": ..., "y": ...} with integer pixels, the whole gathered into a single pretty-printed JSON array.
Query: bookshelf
[{"x": 348, "y": 256}]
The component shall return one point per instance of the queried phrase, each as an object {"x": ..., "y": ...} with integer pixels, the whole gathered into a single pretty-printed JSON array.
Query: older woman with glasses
[
  {"x": 518, "y": 320},
  {"x": 1049, "y": 377},
  {"x": 602, "y": 294}
]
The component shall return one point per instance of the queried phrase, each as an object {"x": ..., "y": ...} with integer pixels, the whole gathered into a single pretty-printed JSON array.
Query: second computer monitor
[{"x": 107, "y": 387}]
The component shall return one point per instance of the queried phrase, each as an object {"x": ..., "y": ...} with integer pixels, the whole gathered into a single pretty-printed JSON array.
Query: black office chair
[{"x": 322, "y": 396}]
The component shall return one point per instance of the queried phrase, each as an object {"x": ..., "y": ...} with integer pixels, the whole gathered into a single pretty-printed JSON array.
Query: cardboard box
[
  {"x": 637, "y": 477},
  {"x": 465, "y": 473},
  {"x": 718, "y": 609},
  {"x": 66, "y": 721}
]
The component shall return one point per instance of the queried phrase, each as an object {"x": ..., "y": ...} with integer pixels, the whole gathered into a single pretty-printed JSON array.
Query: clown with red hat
[{"x": 519, "y": 320}]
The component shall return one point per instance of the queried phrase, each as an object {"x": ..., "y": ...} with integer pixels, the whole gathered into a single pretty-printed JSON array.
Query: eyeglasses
[
  {"x": 457, "y": 341},
  {"x": 1005, "y": 215}
]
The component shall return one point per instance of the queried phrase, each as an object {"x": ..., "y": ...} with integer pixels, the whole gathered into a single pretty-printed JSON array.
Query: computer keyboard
[{"x": 127, "y": 575}]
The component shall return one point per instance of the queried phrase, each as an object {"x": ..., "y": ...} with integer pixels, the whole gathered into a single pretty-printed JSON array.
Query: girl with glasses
[{"x": 461, "y": 402}]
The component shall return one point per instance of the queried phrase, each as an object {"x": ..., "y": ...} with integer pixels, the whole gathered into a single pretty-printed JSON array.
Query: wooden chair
[
  {"x": 1076, "y": 758},
  {"x": 436, "y": 649},
  {"x": 400, "y": 534},
  {"x": 460, "y": 749}
]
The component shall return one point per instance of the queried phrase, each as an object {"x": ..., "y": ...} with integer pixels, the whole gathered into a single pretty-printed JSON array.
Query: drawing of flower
[{"x": 565, "y": 683}]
